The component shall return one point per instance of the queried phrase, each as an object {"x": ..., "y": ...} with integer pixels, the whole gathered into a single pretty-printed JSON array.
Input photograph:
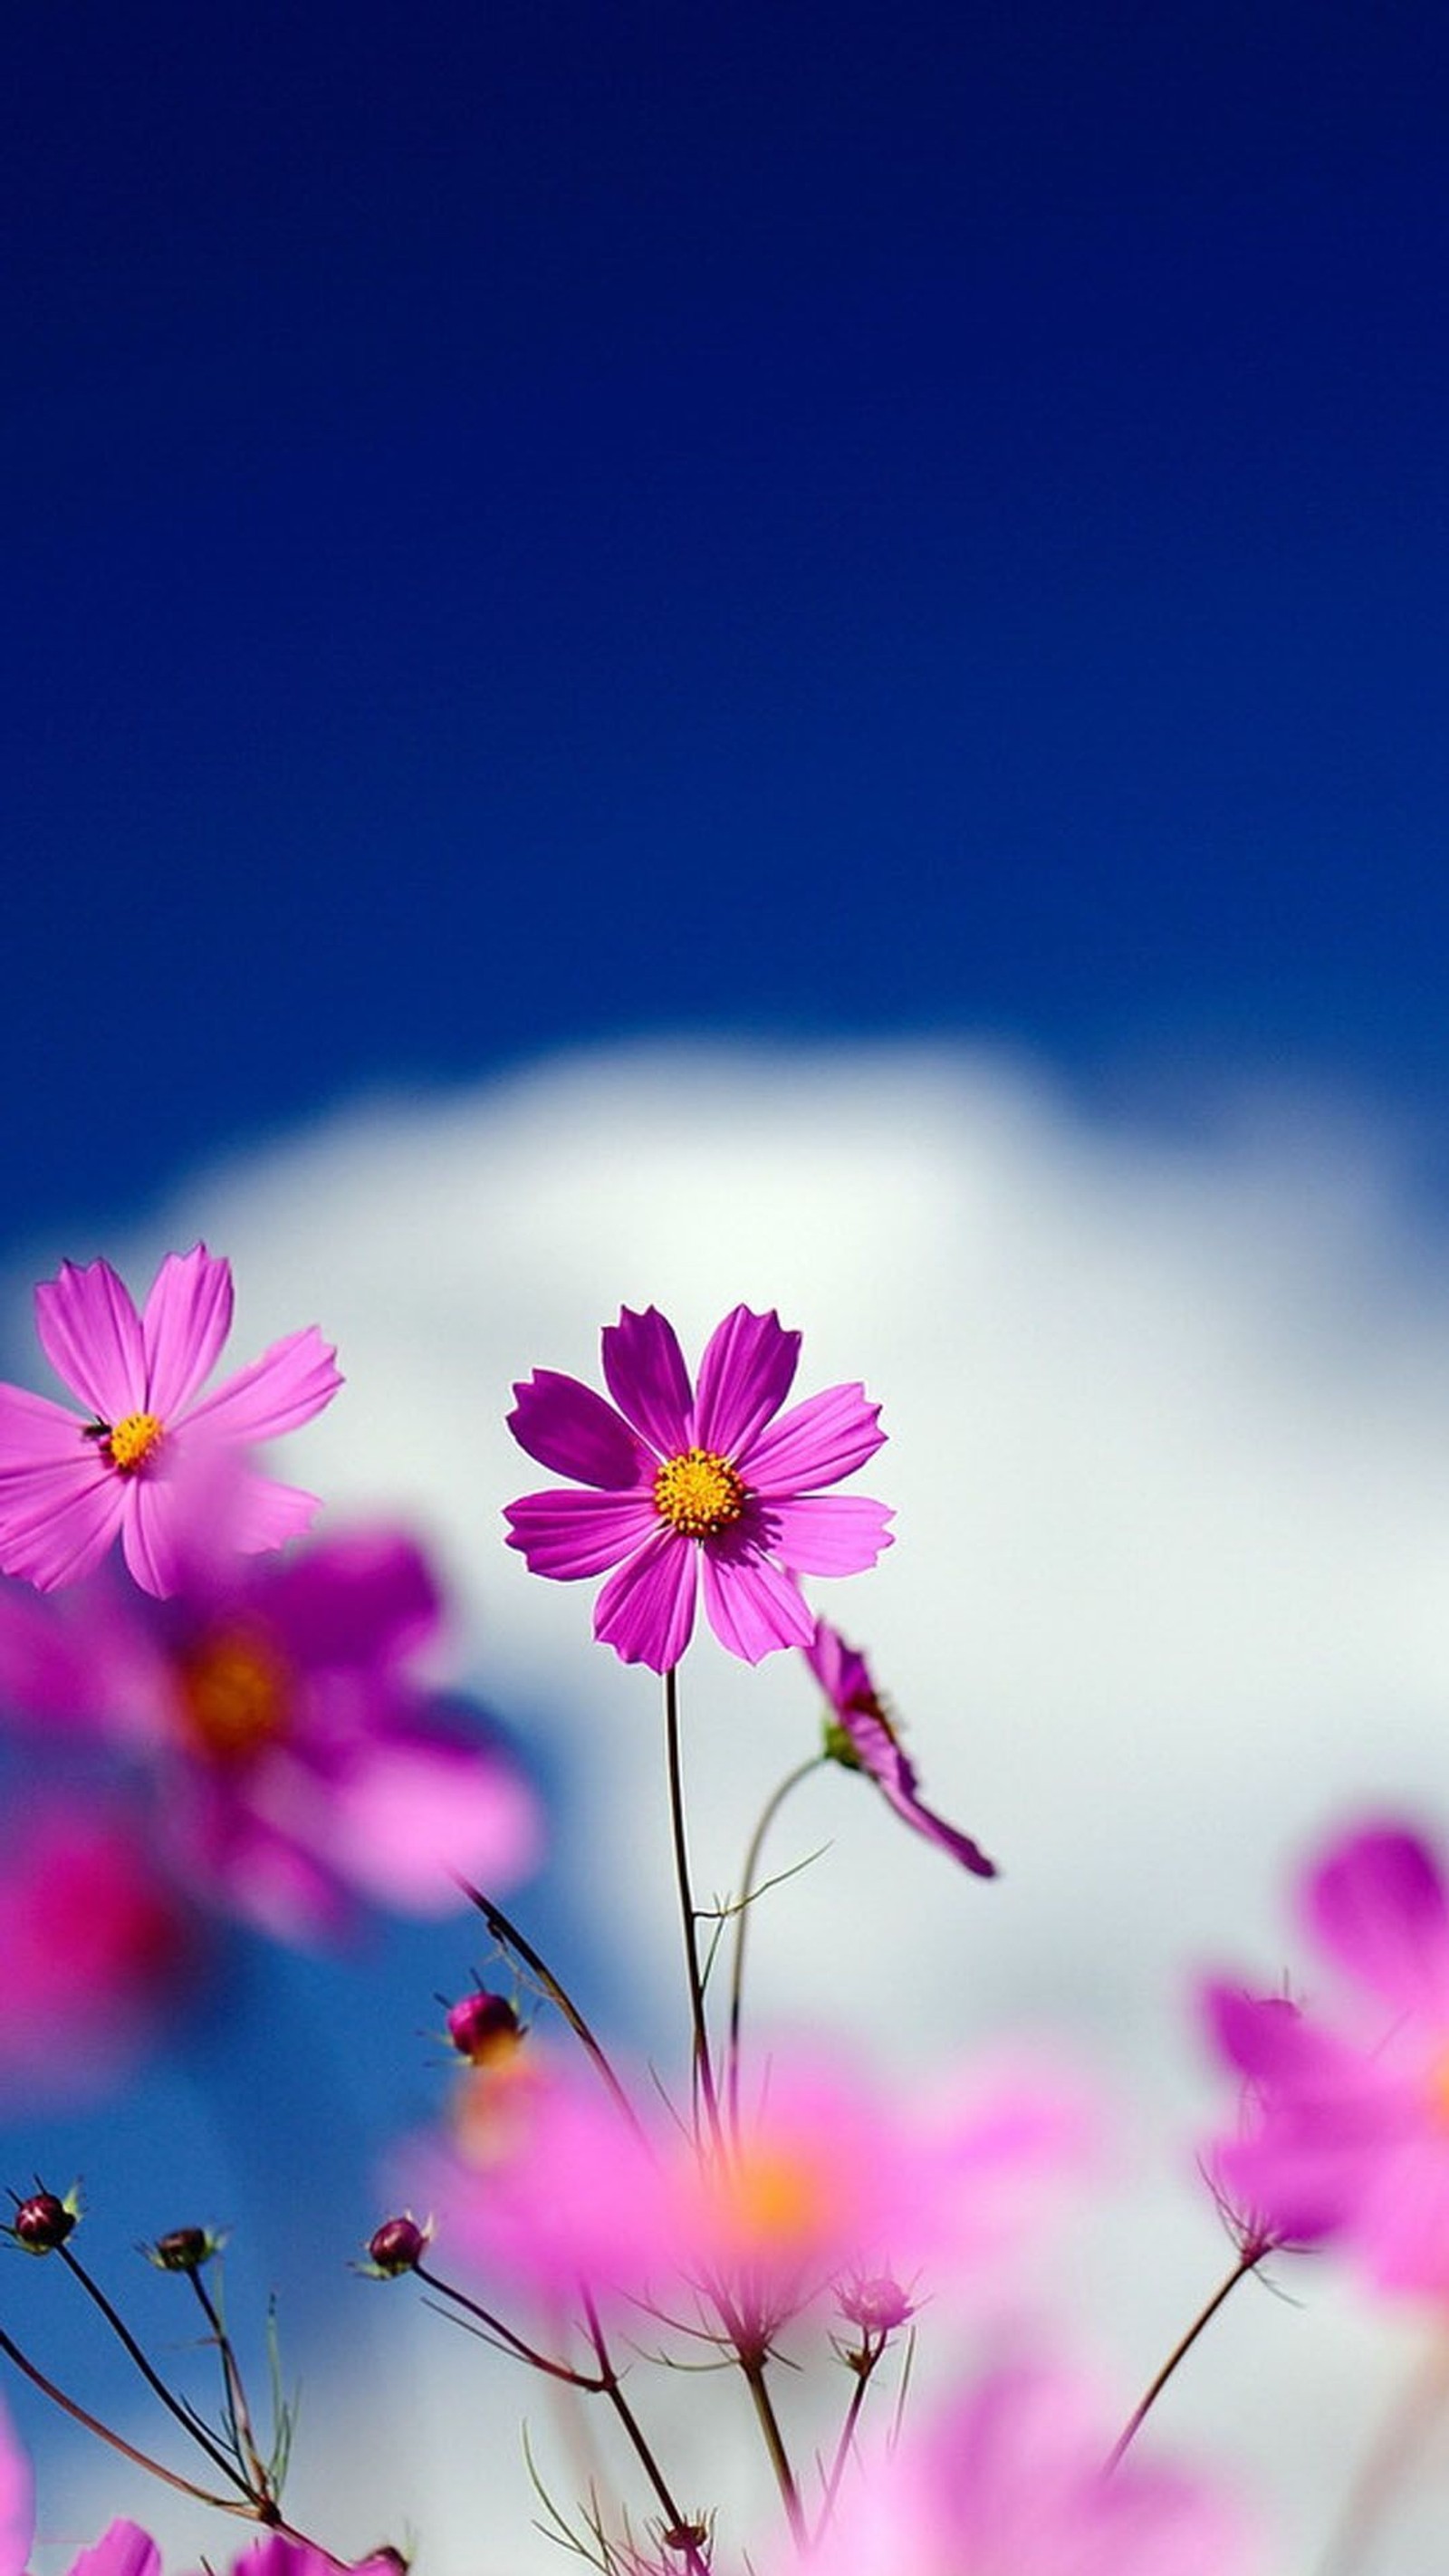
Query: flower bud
[
  {"x": 42, "y": 2222},
  {"x": 183, "y": 2249},
  {"x": 877, "y": 2305},
  {"x": 397, "y": 2246},
  {"x": 483, "y": 2027}
]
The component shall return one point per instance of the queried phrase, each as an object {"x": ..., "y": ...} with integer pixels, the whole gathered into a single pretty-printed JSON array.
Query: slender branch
[
  {"x": 189, "y": 2423},
  {"x": 1248, "y": 2260},
  {"x": 509, "y": 1937},
  {"x": 79, "y": 2415},
  {"x": 238, "y": 2411},
  {"x": 703, "y": 2069},
  {"x": 863, "y": 2364},
  {"x": 753, "y": 2366},
  {"x": 680, "y": 2528},
  {"x": 506, "y": 2339},
  {"x": 767, "y": 1817}
]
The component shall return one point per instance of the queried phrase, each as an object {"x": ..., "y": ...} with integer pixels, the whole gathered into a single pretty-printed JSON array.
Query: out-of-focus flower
[
  {"x": 1350, "y": 2136},
  {"x": 1011, "y": 2481},
  {"x": 860, "y": 1736},
  {"x": 707, "y": 1486},
  {"x": 153, "y": 1441},
  {"x": 301, "y": 1760},
  {"x": 94, "y": 1944}
]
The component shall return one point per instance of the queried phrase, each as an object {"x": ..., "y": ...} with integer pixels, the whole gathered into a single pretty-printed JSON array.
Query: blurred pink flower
[
  {"x": 1351, "y": 2132},
  {"x": 94, "y": 1944},
  {"x": 688, "y": 1487},
  {"x": 301, "y": 1760},
  {"x": 1011, "y": 2481},
  {"x": 861, "y": 1737},
  {"x": 68, "y": 1487}
]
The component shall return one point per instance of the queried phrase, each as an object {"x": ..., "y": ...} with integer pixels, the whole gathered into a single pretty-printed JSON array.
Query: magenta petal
[
  {"x": 411, "y": 1818},
  {"x": 1377, "y": 1905},
  {"x": 17, "y": 2503},
  {"x": 279, "y": 1392},
  {"x": 754, "y": 1607},
  {"x": 947, "y": 1838},
  {"x": 263, "y": 1513},
  {"x": 828, "y": 1533},
  {"x": 565, "y": 1425},
  {"x": 91, "y": 1334},
  {"x": 567, "y": 1535},
  {"x": 744, "y": 1377},
  {"x": 184, "y": 1327},
  {"x": 56, "y": 1525},
  {"x": 124, "y": 2550},
  {"x": 645, "y": 1374},
  {"x": 646, "y": 1610},
  {"x": 37, "y": 1432},
  {"x": 815, "y": 1443},
  {"x": 359, "y": 1599}
]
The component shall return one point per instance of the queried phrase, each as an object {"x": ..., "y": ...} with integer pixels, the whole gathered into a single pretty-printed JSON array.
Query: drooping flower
[
  {"x": 1350, "y": 2137},
  {"x": 301, "y": 1761},
  {"x": 153, "y": 1440},
  {"x": 684, "y": 1487},
  {"x": 860, "y": 1736},
  {"x": 94, "y": 1945}
]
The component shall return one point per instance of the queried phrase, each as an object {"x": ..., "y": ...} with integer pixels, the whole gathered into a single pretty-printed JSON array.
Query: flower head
[
  {"x": 861, "y": 1737},
  {"x": 94, "y": 1945},
  {"x": 69, "y": 1486},
  {"x": 683, "y": 1487}
]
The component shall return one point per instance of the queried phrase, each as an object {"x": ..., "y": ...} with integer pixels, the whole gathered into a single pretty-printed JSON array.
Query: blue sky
[{"x": 534, "y": 521}]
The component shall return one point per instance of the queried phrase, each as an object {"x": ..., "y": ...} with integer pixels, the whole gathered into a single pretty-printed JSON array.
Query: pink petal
[
  {"x": 815, "y": 1443},
  {"x": 55, "y": 1526},
  {"x": 645, "y": 1374},
  {"x": 36, "y": 1432},
  {"x": 828, "y": 1533},
  {"x": 1275, "y": 2045},
  {"x": 565, "y": 1425},
  {"x": 744, "y": 1377},
  {"x": 753, "y": 1606},
  {"x": 123, "y": 2550},
  {"x": 91, "y": 1334},
  {"x": 566, "y": 1535},
  {"x": 54, "y": 1670},
  {"x": 1403, "y": 2222},
  {"x": 646, "y": 1610},
  {"x": 186, "y": 1322},
  {"x": 263, "y": 1513},
  {"x": 17, "y": 2511},
  {"x": 900, "y": 1793},
  {"x": 1377, "y": 1905},
  {"x": 412, "y": 1818},
  {"x": 279, "y": 1392},
  {"x": 359, "y": 1599}
]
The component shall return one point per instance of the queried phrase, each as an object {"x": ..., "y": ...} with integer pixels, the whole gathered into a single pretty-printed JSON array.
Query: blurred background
[{"x": 792, "y": 654}]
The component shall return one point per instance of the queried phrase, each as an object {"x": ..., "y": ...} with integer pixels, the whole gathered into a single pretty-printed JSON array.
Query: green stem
[{"x": 767, "y": 1817}]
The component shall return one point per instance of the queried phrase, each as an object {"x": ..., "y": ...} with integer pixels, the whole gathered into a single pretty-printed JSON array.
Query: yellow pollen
[
  {"x": 233, "y": 1696},
  {"x": 699, "y": 1493},
  {"x": 774, "y": 2198},
  {"x": 130, "y": 1442}
]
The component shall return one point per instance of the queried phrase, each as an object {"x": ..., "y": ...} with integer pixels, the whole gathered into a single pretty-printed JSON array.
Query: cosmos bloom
[
  {"x": 1011, "y": 2481},
  {"x": 68, "y": 1486},
  {"x": 1351, "y": 2133},
  {"x": 300, "y": 1760},
  {"x": 860, "y": 1736},
  {"x": 684, "y": 1487},
  {"x": 94, "y": 1944}
]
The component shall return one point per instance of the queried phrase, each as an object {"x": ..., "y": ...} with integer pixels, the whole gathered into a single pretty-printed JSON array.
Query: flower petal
[
  {"x": 567, "y": 1535},
  {"x": 645, "y": 1374},
  {"x": 900, "y": 1792},
  {"x": 186, "y": 1322},
  {"x": 357, "y": 1600},
  {"x": 152, "y": 1542},
  {"x": 56, "y": 1524},
  {"x": 91, "y": 1334},
  {"x": 815, "y": 1443},
  {"x": 1377, "y": 1905},
  {"x": 37, "y": 1432},
  {"x": 279, "y": 1392},
  {"x": 827, "y": 1533},
  {"x": 646, "y": 1610},
  {"x": 263, "y": 1513},
  {"x": 565, "y": 1425},
  {"x": 744, "y": 1377},
  {"x": 753, "y": 1606},
  {"x": 17, "y": 2502},
  {"x": 413, "y": 1816},
  {"x": 123, "y": 2550}
]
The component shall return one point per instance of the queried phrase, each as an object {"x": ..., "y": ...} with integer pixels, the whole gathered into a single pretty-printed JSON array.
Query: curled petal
[
  {"x": 1377, "y": 1905},
  {"x": 279, "y": 1392},
  {"x": 828, "y": 1533},
  {"x": 566, "y": 1535},
  {"x": 646, "y": 1610},
  {"x": 186, "y": 1322},
  {"x": 753, "y": 1606},
  {"x": 263, "y": 1513},
  {"x": 645, "y": 1374},
  {"x": 815, "y": 1443},
  {"x": 566, "y": 1426},
  {"x": 746, "y": 1373},
  {"x": 91, "y": 1334}
]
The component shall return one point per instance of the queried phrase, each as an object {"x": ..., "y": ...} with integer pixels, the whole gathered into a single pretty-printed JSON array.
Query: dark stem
[
  {"x": 504, "y": 2335},
  {"x": 703, "y": 2069},
  {"x": 173, "y": 2405},
  {"x": 509, "y": 1937},
  {"x": 768, "y": 1814},
  {"x": 681, "y": 2531},
  {"x": 863, "y": 2364},
  {"x": 238, "y": 2411},
  {"x": 753, "y": 2366},
  {"x": 78, "y": 2414},
  {"x": 1248, "y": 2260}
]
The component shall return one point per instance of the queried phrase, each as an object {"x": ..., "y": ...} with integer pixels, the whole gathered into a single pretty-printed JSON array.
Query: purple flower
[
  {"x": 687, "y": 1486},
  {"x": 862, "y": 1738},
  {"x": 94, "y": 1945},
  {"x": 68, "y": 1487}
]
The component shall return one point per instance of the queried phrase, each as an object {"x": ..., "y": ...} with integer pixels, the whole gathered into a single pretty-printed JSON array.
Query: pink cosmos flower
[
  {"x": 68, "y": 1486},
  {"x": 94, "y": 1943},
  {"x": 1011, "y": 2482},
  {"x": 1351, "y": 2136},
  {"x": 300, "y": 1759},
  {"x": 684, "y": 1486},
  {"x": 862, "y": 1738}
]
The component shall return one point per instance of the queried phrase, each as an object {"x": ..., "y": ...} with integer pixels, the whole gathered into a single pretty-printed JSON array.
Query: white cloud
[{"x": 1170, "y": 1443}]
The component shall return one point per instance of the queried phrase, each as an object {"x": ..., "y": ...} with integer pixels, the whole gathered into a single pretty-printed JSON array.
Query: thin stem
[
  {"x": 703, "y": 2069},
  {"x": 507, "y": 2340},
  {"x": 173, "y": 2405},
  {"x": 767, "y": 1817},
  {"x": 863, "y": 2364},
  {"x": 681, "y": 2531},
  {"x": 753, "y": 2366},
  {"x": 79, "y": 2415},
  {"x": 238, "y": 2411},
  {"x": 1248, "y": 2260},
  {"x": 509, "y": 1937}
]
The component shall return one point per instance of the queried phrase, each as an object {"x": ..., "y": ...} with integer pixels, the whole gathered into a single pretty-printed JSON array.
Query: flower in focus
[
  {"x": 68, "y": 1487},
  {"x": 94, "y": 1944},
  {"x": 1012, "y": 2481},
  {"x": 301, "y": 1760},
  {"x": 860, "y": 1736},
  {"x": 683, "y": 1487},
  {"x": 1351, "y": 2132}
]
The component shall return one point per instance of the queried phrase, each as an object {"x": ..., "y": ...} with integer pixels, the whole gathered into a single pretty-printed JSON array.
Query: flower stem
[
  {"x": 753, "y": 2366},
  {"x": 504, "y": 2337},
  {"x": 767, "y": 1817},
  {"x": 703, "y": 2068},
  {"x": 681, "y": 2533},
  {"x": 238, "y": 2412},
  {"x": 508, "y": 1936},
  {"x": 184, "y": 2417},
  {"x": 1248, "y": 2260},
  {"x": 863, "y": 2364}
]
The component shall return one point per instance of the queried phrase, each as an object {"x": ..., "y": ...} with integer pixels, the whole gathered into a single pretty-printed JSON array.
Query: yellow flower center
[
  {"x": 234, "y": 1691},
  {"x": 1437, "y": 2088},
  {"x": 130, "y": 1442},
  {"x": 699, "y": 1493},
  {"x": 774, "y": 2197}
]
